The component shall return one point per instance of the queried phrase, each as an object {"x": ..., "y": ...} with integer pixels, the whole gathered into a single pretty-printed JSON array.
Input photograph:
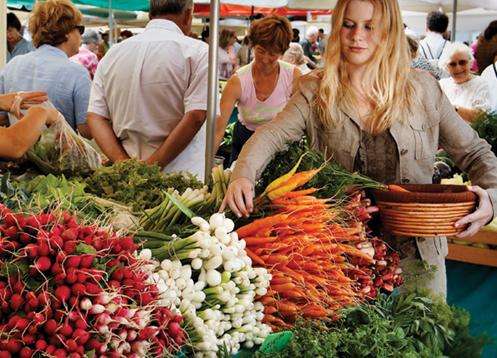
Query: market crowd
[{"x": 381, "y": 102}]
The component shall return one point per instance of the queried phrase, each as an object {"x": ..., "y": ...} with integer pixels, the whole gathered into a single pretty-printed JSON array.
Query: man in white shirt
[
  {"x": 434, "y": 44},
  {"x": 149, "y": 96},
  {"x": 489, "y": 75}
]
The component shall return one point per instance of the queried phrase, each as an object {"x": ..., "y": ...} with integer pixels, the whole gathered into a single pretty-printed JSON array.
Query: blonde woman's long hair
[{"x": 390, "y": 88}]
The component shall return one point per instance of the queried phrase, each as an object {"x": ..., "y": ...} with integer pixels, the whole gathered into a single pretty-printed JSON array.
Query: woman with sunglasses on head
[
  {"x": 55, "y": 27},
  {"x": 468, "y": 93},
  {"x": 370, "y": 112},
  {"x": 262, "y": 88}
]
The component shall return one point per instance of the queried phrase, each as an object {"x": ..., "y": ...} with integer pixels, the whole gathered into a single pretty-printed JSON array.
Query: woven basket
[{"x": 425, "y": 210}]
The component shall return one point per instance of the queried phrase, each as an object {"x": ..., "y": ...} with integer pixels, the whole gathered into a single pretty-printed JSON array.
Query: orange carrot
[
  {"x": 256, "y": 259},
  {"x": 313, "y": 310},
  {"x": 284, "y": 287},
  {"x": 255, "y": 241},
  {"x": 297, "y": 193},
  {"x": 270, "y": 309},
  {"x": 259, "y": 224},
  {"x": 275, "y": 321},
  {"x": 394, "y": 187},
  {"x": 287, "y": 307},
  {"x": 268, "y": 300}
]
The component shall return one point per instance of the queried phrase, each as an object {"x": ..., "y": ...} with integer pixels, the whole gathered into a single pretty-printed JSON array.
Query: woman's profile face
[
  {"x": 459, "y": 67},
  {"x": 359, "y": 34}
]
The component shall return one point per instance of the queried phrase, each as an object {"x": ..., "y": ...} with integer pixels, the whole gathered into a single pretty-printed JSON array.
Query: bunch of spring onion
[
  {"x": 171, "y": 209},
  {"x": 209, "y": 278}
]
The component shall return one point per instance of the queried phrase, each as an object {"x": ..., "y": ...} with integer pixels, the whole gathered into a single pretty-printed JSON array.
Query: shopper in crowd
[
  {"x": 56, "y": 29},
  {"x": 434, "y": 44},
  {"x": 489, "y": 75},
  {"x": 245, "y": 54},
  {"x": 149, "y": 105},
  {"x": 321, "y": 41},
  {"x": 370, "y": 112},
  {"x": 126, "y": 34},
  {"x": 468, "y": 93},
  {"x": 205, "y": 34},
  {"x": 421, "y": 62},
  {"x": 296, "y": 35},
  {"x": 310, "y": 44},
  {"x": 104, "y": 45},
  {"x": 17, "y": 139},
  {"x": 16, "y": 44},
  {"x": 227, "y": 67},
  {"x": 295, "y": 56},
  {"x": 262, "y": 88},
  {"x": 87, "y": 55},
  {"x": 486, "y": 49}
]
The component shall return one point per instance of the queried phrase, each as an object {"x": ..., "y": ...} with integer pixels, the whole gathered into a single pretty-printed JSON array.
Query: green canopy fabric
[{"x": 125, "y": 5}]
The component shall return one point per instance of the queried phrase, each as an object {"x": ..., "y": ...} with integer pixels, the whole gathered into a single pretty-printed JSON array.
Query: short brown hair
[
  {"x": 52, "y": 20},
  {"x": 225, "y": 37},
  {"x": 413, "y": 46},
  {"x": 274, "y": 33}
]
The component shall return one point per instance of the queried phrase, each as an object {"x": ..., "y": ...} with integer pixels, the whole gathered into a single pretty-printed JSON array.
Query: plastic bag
[{"x": 60, "y": 150}]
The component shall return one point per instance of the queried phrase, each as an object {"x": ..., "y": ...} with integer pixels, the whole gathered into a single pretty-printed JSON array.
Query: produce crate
[{"x": 475, "y": 255}]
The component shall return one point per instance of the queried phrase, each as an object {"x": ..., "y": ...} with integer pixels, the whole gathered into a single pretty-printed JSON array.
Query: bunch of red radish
[
  {"x": 66, "y": 290},
  {"x": 384, "y": 274}
]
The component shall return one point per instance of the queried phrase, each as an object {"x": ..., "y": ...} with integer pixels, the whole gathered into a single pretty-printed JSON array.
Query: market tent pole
[
  {"x": 111, "y": 24},
  {"x": 454, "y": 20},
  {"x": 213, "y": 88},
  {"x": 3, "y": 33}
]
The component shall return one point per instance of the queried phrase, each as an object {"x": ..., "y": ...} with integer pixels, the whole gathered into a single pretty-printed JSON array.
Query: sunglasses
[
  {"x": 80, "y": 28},
  {"x": 460, "y": 63}
]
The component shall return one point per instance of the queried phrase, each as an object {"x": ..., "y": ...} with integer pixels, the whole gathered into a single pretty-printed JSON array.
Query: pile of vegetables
[
  {"x": 60, "y": 150},
  {"x": 209, "y": 278},
  {"x": 68, "y": 290},
  {"x": 406, "y": 325},
  {"x": 318, "y": 253},
  {"x": 137, "y": 184}
]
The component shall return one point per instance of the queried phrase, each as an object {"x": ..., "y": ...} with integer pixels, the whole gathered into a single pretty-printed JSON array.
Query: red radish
[
  {"x": 51, "y": 349},
  {"x": 50, "y": 327},
  {"x": 16, "y": 301},
  {"x": 71, "y": 276},
  {"x": 56, "y": 268},
  {"x": 62, "y": 293},
  {"x": 26, "y": 353},
  {"x": 66, "y": 330},
  {"x": 41, "y": 345},
  {"x": 60, "y": 353},
  {"x": 81, "y": 336},
  {"x": 86, "y": 304},
  {"x": 86, "y": 261},
  {"x": 5, "y": 354},
  {"x": 73, "y": 261},
  {"x": 81, "y": 324},
  {"x": 32, "y": 250},
  {"x": 78, "y": 289},
  {"x": 72, "y": 346},
  {"x": 174, "y": 329},
  {"x": 93, "y": 289},
  {"x": 13, "y": 346},
  {"x": 70, "y": 247}
]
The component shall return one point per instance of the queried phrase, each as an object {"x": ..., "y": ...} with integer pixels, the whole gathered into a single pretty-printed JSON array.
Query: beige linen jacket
[{"x": 433, "y": 123}]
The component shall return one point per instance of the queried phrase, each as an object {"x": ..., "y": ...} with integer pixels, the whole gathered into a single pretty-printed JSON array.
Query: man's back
[{"x": 147, "y": 83}]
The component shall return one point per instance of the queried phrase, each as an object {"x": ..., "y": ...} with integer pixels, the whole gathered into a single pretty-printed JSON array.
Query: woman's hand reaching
[{"x": 239, "y": 197}]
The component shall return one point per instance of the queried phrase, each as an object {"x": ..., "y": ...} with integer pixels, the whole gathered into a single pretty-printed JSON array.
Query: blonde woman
[{"x": 374, "y": 114}]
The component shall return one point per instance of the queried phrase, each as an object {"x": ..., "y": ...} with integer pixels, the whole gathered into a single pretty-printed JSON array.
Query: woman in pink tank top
[{"x": 262, "y": 88}]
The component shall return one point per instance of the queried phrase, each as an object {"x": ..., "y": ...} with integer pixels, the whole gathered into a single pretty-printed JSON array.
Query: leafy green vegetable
[
  {"x": 333, "y": 180},
  {"x": 486, "y": 126},
  {"x": 135, "y": 183},
  {"x": 406, "y": 325}
]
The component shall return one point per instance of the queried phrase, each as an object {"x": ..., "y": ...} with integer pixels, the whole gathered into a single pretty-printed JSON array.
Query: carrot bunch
[{"x": 313, "y": 249}]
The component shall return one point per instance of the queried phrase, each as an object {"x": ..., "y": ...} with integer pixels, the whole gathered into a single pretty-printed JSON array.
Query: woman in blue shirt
[{"x": 56, "y": 32}]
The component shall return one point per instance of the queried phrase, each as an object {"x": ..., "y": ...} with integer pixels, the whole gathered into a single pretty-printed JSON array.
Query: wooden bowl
[{"x": 424, "y": 210}]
